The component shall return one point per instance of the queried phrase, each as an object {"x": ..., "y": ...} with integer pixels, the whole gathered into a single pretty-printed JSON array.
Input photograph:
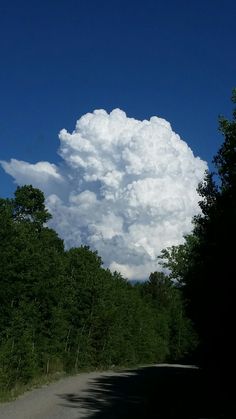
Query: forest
[{"x": 61, "y": 310}]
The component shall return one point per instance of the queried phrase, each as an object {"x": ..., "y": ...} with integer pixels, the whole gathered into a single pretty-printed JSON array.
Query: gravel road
[
  {"x": 50, "y": 401},
  {"x": 165, "y": 391}
]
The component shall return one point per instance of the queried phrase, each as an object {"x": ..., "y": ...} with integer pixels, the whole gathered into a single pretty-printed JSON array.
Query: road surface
[{"x": 157, "y": 391}]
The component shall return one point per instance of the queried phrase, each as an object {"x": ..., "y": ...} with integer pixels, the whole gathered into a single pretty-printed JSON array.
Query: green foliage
[
  {"x": 176, "y": 259},
  {"x": 174, "y": 327},
  {"x": 29, "y": 205},
  {"x": 61, "y": 310}
]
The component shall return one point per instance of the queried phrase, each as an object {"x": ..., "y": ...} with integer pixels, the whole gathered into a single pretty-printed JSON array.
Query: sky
[{"x": 61, "y": 60}]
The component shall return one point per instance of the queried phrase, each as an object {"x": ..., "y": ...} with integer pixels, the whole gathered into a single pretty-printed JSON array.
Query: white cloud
[
  {"x": 125, "y": 187},
  {"x": 43, "y": 175}
]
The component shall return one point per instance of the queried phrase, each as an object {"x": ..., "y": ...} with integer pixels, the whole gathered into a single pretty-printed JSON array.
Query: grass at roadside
[
  {"x": 7, "y": 395},
  {"x": 20, "y": 388}
]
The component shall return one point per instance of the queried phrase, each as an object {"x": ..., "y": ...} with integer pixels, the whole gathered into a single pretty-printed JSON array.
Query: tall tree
[
  {"x": 29, "y": 205},
  {"x": 205, "y": 263}
]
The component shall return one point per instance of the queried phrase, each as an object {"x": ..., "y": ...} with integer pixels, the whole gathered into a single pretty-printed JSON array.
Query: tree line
[{"x": 61, "y": 310}]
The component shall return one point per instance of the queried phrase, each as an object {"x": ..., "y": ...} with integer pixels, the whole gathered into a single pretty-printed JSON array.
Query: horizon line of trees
[{"x": 60, "y": 310}]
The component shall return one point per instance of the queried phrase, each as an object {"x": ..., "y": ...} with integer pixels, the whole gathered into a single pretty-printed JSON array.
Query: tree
[
  {"x": 172, "y": 323},
  {"x": 205, "y": 265},
  {"x": 31, "y": 283},
  {"x": 29, "y": 205}
]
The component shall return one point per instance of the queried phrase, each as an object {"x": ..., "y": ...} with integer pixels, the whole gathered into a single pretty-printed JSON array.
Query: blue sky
[{"x": 63, "y": 58}]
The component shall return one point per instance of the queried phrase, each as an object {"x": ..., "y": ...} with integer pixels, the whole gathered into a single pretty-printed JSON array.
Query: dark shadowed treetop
[
  {"x": 225, "y": 159},
  {"x": 29, "y": 205}
]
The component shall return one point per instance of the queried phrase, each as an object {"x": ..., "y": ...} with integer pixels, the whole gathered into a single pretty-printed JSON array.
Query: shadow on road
[{"x": 151, "y": 392}]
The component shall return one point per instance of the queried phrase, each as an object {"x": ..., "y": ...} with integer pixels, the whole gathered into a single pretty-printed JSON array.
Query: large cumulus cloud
[{"x": 124, "y": 187}]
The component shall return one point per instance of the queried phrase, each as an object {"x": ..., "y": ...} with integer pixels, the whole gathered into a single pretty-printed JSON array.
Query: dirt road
[{"x": 163, "y": 391}]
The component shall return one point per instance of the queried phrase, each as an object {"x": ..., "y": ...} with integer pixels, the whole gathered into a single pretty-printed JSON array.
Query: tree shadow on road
[{"x": 151, "y": 392}]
